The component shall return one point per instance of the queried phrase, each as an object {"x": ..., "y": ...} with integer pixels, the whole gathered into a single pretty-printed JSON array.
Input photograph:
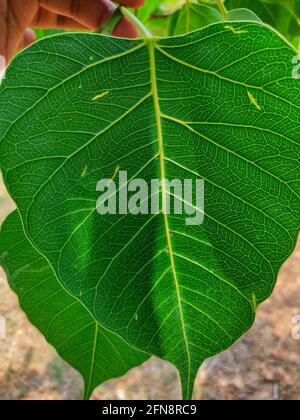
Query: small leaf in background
[
  {"x": 242, "y": 14},
  {"x": 283, "y": 15},
  {"x": 148, "y": 9},
  {"x": 159, "y": 26},
  {"x": 157, "y": 13},
  {"x": 198, "y": 15}
]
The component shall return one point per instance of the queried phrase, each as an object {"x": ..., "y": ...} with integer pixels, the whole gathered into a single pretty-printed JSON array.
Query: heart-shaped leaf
[
  {"x": 95, "y": 352},
  {"x": 218, "y": 104}
]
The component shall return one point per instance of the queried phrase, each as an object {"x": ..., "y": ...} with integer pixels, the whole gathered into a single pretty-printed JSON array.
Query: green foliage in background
[
  {"x": 42, "y": 33},
  {"x": 219, "y": 104},
  {"x": 283, "y": 15},
  {"x": 200, "y": 15}
]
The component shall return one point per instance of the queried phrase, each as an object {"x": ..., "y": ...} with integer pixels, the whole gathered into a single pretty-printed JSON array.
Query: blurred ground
[{"x": 264, "y": 365}]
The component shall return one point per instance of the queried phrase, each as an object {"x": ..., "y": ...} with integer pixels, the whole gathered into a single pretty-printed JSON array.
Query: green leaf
[
  {"x": 283, "y": 15},
  {"x": 197, "y": 16},
  {"x": 95, "y": 352},
  {"x": 218, "y": 104},
  {"x": 242, "y": 14},
  {"x": 159, "y": 26},
  {"x": 148, "y": 9}
]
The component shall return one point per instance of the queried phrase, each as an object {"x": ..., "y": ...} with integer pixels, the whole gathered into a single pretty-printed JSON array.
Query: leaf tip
[
  {"x": 187, "y": 379},
  {"x": 87, "y": 393}
]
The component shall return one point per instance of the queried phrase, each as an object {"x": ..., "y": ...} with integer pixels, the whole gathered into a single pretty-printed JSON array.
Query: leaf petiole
[
  {"x": 119, "y": 13},
  {"x": 108, "y": 27},
  {"x": 188, "y": 15},
  {"x": 136, "y": 22},
  {"x": 222, "y": 8}
]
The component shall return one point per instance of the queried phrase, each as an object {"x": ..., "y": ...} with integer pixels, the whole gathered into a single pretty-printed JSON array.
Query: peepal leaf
[
  {"x": 96, "y": 353},
  {"x": 218, "y": 104}
]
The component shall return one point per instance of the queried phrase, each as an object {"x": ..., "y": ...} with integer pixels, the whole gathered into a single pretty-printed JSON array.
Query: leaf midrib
[
  {"x": 91, "y": 374},
  {"x": 158, "y": 116}
]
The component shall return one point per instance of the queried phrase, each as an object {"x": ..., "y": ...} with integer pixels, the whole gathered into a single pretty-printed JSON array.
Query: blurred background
[{"x": 264, "y": 364}]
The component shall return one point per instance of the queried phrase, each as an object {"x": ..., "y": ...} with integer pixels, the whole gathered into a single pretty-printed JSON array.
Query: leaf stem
[
  {"x": 222, "y": 8},
  {"x": 137, "y": 23},
  {"x": 188, "y": 15}
]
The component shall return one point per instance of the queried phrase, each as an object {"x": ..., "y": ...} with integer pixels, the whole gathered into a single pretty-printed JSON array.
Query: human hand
[{"x": 16, "y": 16}]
